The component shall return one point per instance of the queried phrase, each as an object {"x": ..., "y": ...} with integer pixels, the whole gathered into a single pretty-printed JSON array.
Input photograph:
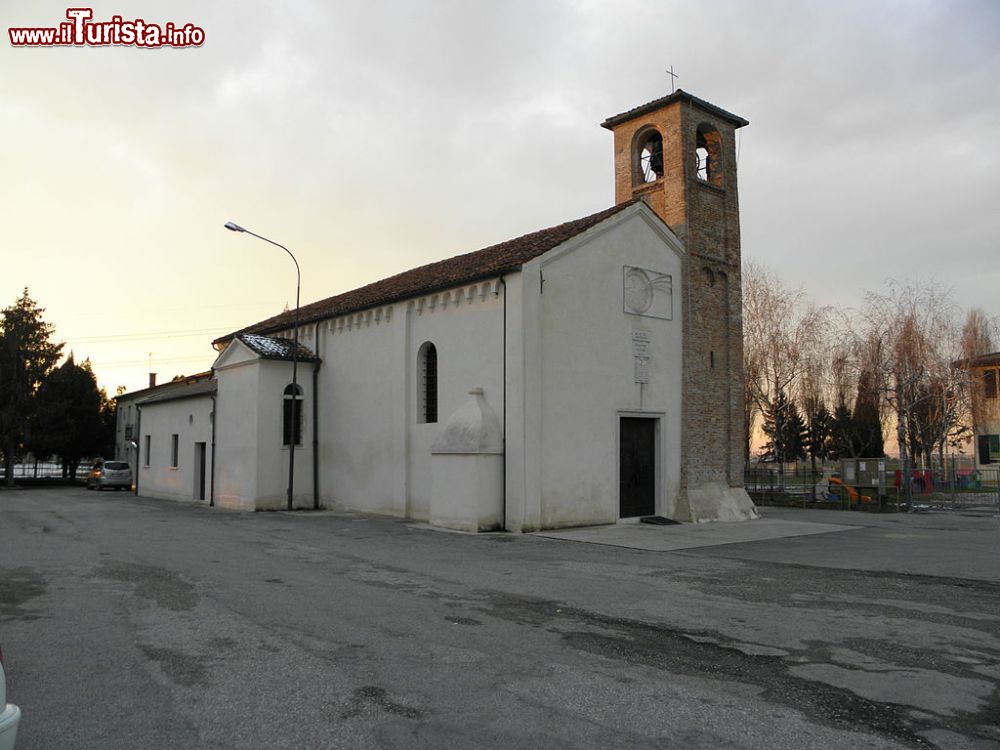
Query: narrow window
[
  {"x": 145, "y": 451},
  {"x": 173, "y": 451},
  {"x": 990, "y": 384},
  {"x": 427, "y": 396},
  {"x": 291, "y": 422},
  {"x": 994, "y": 448}
]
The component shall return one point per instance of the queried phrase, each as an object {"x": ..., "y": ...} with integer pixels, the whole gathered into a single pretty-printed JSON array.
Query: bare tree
[
  {"x": 782, "y": 332},
  {"x": 900, "y": 363},
  {"x": 912, "y": 325}
]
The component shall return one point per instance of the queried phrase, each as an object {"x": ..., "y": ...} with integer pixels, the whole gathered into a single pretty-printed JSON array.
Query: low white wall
[{"x": 468, "y": 491}]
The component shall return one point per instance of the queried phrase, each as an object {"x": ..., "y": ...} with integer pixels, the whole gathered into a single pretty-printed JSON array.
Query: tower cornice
[{"x": 680, "y": 95}]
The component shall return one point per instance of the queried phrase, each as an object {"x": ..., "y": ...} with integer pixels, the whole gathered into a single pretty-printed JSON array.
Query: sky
[{"x": 372, "y": 137}]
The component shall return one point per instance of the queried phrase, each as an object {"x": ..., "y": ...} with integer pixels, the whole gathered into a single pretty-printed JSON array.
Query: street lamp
[{"x": 295, "y": 356}]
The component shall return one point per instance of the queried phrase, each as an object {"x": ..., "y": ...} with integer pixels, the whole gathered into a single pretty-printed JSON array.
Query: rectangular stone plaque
[
  {"x": 640, "y": 343},
  {"x": 641, "y": 369},
  {"x": 647, "y": 293}
]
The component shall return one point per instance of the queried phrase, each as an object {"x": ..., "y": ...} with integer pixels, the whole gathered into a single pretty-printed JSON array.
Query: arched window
[
  {"x": 291, "y": 422},
  {"x": 708, "y": 154},
  {"x": 427, "y": 384},
  {"x": 648, "y": 156}
]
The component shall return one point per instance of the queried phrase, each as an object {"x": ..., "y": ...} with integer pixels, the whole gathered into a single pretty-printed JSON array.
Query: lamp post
[{"x": 295, "y": 356}]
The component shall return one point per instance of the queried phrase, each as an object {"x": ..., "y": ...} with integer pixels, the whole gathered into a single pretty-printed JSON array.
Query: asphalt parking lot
[{"x": 134, "y": 623}]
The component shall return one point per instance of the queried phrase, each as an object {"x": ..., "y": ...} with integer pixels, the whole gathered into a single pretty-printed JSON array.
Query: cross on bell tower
[{"x": 673, "y": 79}]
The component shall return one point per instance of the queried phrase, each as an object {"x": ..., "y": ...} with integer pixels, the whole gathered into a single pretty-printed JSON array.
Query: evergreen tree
[
  {"x": 785, "y": 430},
  {"x": 69, "y": 418},
  {"x": 27, "y": 355},
  {"x": 866, "y": 435},
  {"x": 841, "y": 432},
  {"x": 818, "y": 435}
]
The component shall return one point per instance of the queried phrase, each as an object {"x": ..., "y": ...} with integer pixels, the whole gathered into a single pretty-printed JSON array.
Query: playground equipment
[
  {"x": 921, "y": 481},
  {"x": 834, "y": 489}
]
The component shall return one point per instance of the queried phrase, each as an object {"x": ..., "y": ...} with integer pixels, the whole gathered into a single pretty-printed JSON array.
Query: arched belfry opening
[
  {"x": 708, "y": 155},
  {"x": 647, "y": 157}
]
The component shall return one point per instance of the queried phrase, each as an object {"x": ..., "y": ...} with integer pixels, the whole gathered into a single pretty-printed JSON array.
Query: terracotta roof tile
[
  {"x": 489, "y": 262},
  {"x": 183, "y": 389},
  {"x": 179, "y": 382}
]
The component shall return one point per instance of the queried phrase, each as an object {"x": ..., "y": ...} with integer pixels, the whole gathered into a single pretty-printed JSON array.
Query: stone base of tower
[{"x": 715, "y": 501}]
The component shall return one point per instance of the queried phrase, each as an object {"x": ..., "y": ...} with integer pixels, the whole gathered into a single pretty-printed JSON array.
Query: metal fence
[
  {"x": 876, "y": 484},
  {"x": 31, "y": 469}
]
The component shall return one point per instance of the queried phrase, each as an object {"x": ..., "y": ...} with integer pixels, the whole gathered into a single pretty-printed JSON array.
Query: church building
[{"x": 582, "y": 374}]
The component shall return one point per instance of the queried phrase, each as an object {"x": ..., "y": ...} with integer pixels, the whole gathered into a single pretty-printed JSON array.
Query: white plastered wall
[
  {"x": 236, "y": 429},
  {"x": 272, "y": 457},
  {"x": 191, "y": 420},
  {"x": 579, "y": 371},
  {"x": 375, "y": 455}
]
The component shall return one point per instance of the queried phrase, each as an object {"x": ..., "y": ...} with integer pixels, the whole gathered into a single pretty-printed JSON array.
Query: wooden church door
[{"x": 637, "y": 467}]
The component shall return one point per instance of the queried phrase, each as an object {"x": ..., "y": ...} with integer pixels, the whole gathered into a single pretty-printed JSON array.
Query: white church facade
[{"x": 543, "y": 382}]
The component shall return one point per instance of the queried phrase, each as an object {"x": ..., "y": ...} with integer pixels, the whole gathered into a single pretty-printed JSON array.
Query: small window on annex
[
  {"x": 990, "y": 384},
  {"x": 989, "y": 449},
  {"x": 291, "y": 420},
  {"x": 708, "y": 154},
  {"x": 427, "y": 384},
  {"x": 648, "y": 156},
  {"x": 145, "y": 450},
  {"x": 174, "y": 444}
]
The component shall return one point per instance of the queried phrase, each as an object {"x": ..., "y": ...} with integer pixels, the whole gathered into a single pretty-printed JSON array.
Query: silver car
[{"x": 115, "y": 474}]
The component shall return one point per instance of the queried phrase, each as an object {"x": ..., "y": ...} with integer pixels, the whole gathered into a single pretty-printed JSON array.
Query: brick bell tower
[{"x": 678, "y": 155}]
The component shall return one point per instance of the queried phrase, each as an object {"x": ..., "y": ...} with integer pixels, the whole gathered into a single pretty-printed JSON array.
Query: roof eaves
[
  {"x": 288, "y": 357},
  {"x": 282, "y": 325},
  {"x": 679, "y": 95}
]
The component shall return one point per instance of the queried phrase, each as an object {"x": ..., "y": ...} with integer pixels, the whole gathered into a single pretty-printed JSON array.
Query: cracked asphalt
[{"x": 135, "y": 623}]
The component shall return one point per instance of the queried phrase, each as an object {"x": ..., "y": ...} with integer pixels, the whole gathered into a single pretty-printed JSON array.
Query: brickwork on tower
[{"x": 694, "y": 191}]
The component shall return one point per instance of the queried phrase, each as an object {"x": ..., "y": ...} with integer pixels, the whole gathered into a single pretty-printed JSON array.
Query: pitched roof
[
  {"x": 680, "y": 95},
  {"x": 272, "y": 347},
  {"x": 981, "y": 360},
  {"x": 177, "y": 383},
  {"x": 182, "y": 389},
  {"x": 489, "y": 262}
]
